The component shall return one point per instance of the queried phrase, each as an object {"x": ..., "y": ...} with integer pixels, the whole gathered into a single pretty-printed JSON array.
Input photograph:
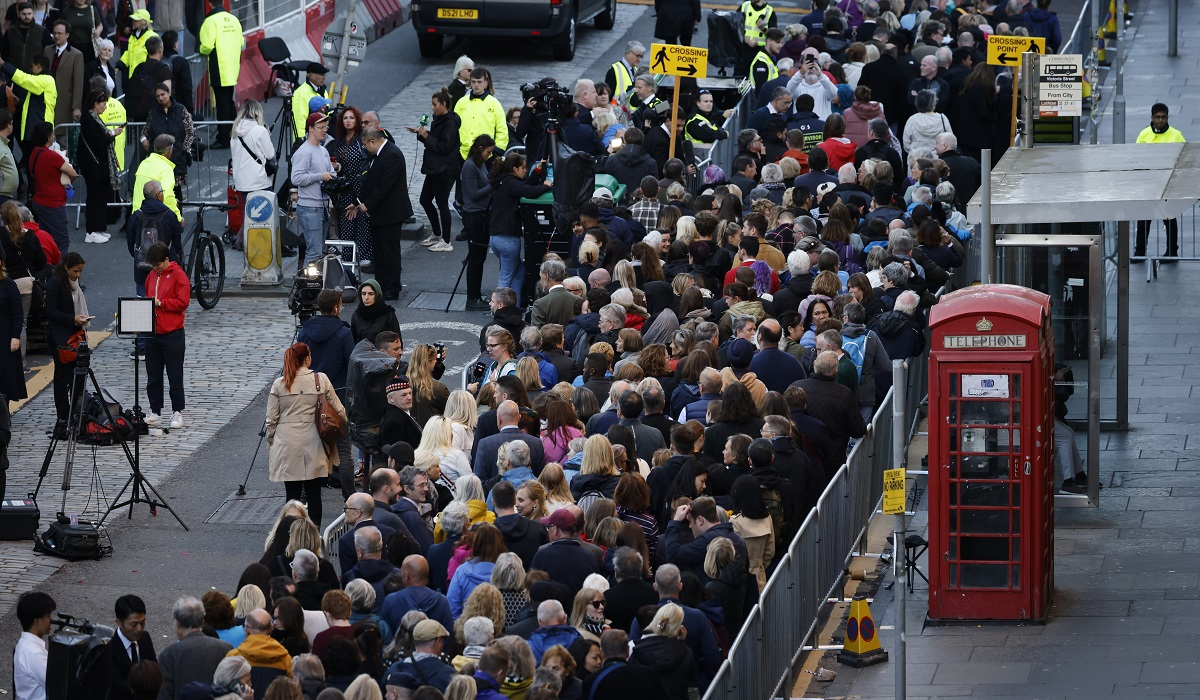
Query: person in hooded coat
[
  {"x": 487, "y": 544},
  {"x": 330, "y": 340},
  {"x": 753, "y": 523},
  {"x": 663, "y": 651},
  {"x": 373, "y": 315}
]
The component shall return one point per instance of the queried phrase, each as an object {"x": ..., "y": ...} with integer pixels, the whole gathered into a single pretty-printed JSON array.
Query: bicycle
[{"x": 205, "y": 260}]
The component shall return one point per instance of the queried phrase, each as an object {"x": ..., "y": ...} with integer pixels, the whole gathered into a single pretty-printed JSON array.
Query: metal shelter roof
[{"x": 1073, "y": 184}]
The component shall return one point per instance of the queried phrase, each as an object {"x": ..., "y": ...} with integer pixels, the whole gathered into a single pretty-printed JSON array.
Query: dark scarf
[{"x": 374, "y": 311}]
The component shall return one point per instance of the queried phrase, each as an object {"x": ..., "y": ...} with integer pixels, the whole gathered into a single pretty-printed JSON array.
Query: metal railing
[
  {"x": 723, "y": 152},
  {"x": 207, "y": 176},
  {"x": 329, "y": 540},
  {"x": 1157, "y": 249}
]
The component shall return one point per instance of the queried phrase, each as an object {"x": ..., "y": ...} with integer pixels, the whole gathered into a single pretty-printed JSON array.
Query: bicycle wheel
[{"x": 209, "y": 277}]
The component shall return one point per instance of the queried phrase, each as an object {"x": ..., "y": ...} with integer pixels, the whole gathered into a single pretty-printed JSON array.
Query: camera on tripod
[
  {"x": 81, "y": 625},
  {"x": 548, "y": 95},
  {"x": 302, "y": 300},
  {"x": 78, "y": 665},
  {"x": 83, "y": 354}
]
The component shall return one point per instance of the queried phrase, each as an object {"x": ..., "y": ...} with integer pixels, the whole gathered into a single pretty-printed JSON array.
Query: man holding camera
[
  {"x": 311, "y": 169},
  {"x": 385, "y": 199}
]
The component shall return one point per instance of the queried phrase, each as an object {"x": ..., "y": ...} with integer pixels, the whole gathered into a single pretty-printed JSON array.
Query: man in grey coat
[{"x": 195, "y": 656}]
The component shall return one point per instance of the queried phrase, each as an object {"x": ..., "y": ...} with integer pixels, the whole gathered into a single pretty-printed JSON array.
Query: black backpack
[{"x": 147, "y": 236}]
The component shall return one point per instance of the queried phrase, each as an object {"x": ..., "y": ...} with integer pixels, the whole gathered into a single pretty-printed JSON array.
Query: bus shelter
[{"x": 1060, "y": 223}]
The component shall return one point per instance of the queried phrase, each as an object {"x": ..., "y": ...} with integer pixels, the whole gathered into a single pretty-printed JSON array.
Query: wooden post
[
  {"x": 1016, "y": 87},
  {"x": 674, "y": 115}
]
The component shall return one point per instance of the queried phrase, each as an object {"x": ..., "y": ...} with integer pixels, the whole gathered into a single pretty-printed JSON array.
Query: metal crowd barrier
[
  {"x": 723, "y": 152},
  {"x": 760, "y": 662},
  {"x": 1156, "y": 243},
  {"x": 330, "y": 538},
  {"x": 207, "y": 178}
]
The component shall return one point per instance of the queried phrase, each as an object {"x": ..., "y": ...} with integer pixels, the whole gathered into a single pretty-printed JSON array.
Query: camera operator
[
  {"x": 385, "y": 199},
  {"x": 531, "y": 126},
  {"x": 311, "y": 169},
  {"x": 31, "y": 655},
  {"x": 577, "y": 134}
]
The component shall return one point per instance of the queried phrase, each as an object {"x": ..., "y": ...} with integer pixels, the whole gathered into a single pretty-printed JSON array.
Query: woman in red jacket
[{"x": 168, "y": 285}]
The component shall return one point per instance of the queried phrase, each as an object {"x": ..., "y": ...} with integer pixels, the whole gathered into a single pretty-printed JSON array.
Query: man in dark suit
[
  {"x": 129, "y": 645},
  {"x": 66, "y": 65},
  {"x": 507, "y": 417},
  {"x": 385, "y": 198},
  {"x": 558, "y": 306},
  {"x": 360, "y": 510},
  {"x": 194, "y": 657}
]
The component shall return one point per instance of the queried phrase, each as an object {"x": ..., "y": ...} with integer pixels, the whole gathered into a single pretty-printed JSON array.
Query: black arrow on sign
[
  {"x": 691, "y": 69},
  {"x": 1006, "y": 58}
]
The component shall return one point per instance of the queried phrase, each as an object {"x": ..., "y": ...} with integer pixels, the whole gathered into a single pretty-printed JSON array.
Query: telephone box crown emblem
[{"x": 983, "y": 325}]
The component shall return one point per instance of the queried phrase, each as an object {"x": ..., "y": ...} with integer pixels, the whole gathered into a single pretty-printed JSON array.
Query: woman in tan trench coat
[{"x": 298, "y": 458}]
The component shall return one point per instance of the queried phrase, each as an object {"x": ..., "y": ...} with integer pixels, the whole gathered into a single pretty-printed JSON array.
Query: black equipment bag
[
  {"x": 724, "y": 40},
  {"x": 71, "y": 542}
]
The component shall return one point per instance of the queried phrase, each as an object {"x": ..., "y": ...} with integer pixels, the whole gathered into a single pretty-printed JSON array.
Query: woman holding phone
[{"x": 66, "y": 313}]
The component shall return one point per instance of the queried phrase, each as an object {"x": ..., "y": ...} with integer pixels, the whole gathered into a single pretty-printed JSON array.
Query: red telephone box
[{"x": 991, "y": 441}]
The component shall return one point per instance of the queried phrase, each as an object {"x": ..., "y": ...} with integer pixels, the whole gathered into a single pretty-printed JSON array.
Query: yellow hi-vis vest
[
  {"x": 222, "y": 32},
  {"x": 621, "y": 75},
  {"x": 752, "y": 15},
  {"x": 772, "y": 70}
]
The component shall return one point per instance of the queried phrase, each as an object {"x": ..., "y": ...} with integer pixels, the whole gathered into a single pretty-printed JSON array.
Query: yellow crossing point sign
[
  {"x": 1007, "y": 50},
  {"x": 893, "y": 491},
  {"x": 673, "y": 59}
]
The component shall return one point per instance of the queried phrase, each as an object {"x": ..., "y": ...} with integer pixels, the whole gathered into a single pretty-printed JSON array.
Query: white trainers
[
  {"x": 431, "y": 240},
  {"x": 441, "y": 247},
  {"x": 105, "y": 235},
  {"x": 94, "y": 238},
  {"x": 177, "y": 420},
  {"x": 153, "y": 419}
]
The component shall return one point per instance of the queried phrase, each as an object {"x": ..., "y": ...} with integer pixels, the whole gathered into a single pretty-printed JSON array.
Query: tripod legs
[{"x": 459, "y": 280}]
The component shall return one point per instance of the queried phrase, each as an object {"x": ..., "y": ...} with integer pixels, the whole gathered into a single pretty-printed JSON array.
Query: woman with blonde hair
[
  {"x": 249, "y": 597},
  {"x": 531, "y": 500},
  {"x": 362, "y": 688},
  {"x": 587, "y": 614},
  {"x": 294, "y": 508},
  {"x": 437, "y": 439},
  {"x": 727, "y": 581},
  {"x": 520, "y": 667},
  {"x": 429, "y": 394},
  {"x": 662, "y": 650},
  {"x": 685, "y": 229},
  {"x": 484, "y": 601},
  {"x": 461, "y": 688},
  {"x": 527, "y": 372},
  {"x": 558, "y": 493},
  {"x": 598, "y": 471},
  {"x": 297, "y": 455},
  {"x": 468, "y": 489},
  {"x": 463, "y": 416}
]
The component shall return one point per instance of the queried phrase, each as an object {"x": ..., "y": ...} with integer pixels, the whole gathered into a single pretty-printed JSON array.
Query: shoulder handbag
[
  {"x": 271, "y": 165},
  {"x": 329, "y": 423}
]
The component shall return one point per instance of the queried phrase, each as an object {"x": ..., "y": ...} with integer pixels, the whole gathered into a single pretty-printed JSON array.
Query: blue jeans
[
  {"x": 512, "y": 265},
  {"x": 314, "y": 223}
]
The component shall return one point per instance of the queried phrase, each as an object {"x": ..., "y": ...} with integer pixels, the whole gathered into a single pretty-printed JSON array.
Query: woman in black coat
[
  {"x": 106, "y": 68},
  {"x": 443, "y": 161},
  {"x": 975, "y": 110},
  {"x": 66, "y": 312},
  {"x": 24, "y": 257},
  {"x": 373, "y": 316},
  {"x": 12, "y": 378},
  {"x": 97, "y": 160},
  {"x": 506, "y": 242},
  {"x": 663, "y": 651}
]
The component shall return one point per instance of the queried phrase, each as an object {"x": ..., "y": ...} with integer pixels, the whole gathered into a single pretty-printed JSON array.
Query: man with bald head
[
  {"x": 507, "y": 417},
  {"x": 385, "y": 489},
  {"x": 268, "y": 659},
  {"x": 416, "y": 595},
  {"x": 774, "y": 367},
  {"x": 371, "y": 566},
  {"x": 359, "y": 511}
]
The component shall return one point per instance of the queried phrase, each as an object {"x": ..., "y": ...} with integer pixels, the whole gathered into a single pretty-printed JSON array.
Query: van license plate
[{"x": 457, "y": 13}]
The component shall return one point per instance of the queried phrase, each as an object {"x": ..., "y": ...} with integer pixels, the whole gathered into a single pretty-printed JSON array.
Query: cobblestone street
[{"x": 233, "y": 352}]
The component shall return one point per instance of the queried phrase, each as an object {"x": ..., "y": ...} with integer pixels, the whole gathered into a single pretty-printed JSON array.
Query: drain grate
[
  {"x": 257, "y": 507},
  {"x": 437, "y": 301}
]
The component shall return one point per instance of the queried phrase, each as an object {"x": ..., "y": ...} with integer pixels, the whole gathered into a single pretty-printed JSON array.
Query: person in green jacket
[
  {"x": 158, "y": 166},
  {"x": 41, "y": 95},
  {"x": 314, "y": 86},
  {"x": 136, "y": 53},
  {"x": 222, "y": 41},
  {"x": 480, "y": 112}
]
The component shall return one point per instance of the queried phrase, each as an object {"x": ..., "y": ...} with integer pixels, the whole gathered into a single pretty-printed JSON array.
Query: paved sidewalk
[
  {"x": 219, "y": 382},
  {"x": 1125, "y": 620}
]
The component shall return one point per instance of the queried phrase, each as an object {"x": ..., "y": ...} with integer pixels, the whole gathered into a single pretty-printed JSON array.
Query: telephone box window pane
[
  {"x": 1016, "y": 386},
  {"x": 952, "y": 523},
  {"x": 984, "y": 494},
  {"x": 954, "y": 382},
  {"x": 983, "y": 467},
  {"x": 1016, "y": 410},
  {"x": 983, "y": 412},
  {"x": 952, "y": 549},
  {"x": 952, "y": 416},
  {"x": 984, "y": 549},
  {"x": 991, "y": 522},
  {"x": 1016, "y": 434},
  {"x": 953, "y": 491},
  {"x": 1016, "y": 549},
  {"x": 1016, "y": 494},
  {"x": 984, "y": 576},
  {"x": 954, "y": 576}
]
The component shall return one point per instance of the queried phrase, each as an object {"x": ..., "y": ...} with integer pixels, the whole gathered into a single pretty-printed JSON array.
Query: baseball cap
[
  {"x": 318, "y": 103},
  {"x": 810, "y": 244},
  {"x": 402, "y": 452},
  {"x": 429, "y": 630},
  {"x": 143, "y": 15},
  {"x": 603, "y": 193},
  {"x": 562, "y": 519},
  {"x": 741, "y": 351},
  {"x": 314, "y": 119}
]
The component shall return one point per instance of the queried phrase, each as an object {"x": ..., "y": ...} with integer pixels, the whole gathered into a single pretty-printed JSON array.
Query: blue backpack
[{"x": 856, "y": 350}]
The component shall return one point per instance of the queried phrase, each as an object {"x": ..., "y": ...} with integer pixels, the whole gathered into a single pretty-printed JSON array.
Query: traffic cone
[
  {"x": 1110, "y": 22},
  {"x": 1101, "y": 49},
  {"x": 862, "y": 637}
]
